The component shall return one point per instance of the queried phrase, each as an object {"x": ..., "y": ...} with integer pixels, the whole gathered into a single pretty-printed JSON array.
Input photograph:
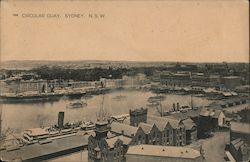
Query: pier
[{"x": 39, "y": 152}]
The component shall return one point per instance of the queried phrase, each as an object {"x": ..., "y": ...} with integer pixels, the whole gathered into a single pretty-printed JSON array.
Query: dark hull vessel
[{"x": 30, "y": 98}]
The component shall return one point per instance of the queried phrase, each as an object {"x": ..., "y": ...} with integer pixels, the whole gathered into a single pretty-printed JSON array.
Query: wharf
[{"x": 40, "y": 152}]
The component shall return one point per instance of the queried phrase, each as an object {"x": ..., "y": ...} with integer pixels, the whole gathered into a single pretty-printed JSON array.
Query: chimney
[
  {"x": 60, "y": 119},
  {"x": 174, "y": 106}
]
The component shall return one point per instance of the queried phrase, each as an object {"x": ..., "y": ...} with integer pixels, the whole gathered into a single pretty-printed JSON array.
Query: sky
[{"x": 142, "y": 30}]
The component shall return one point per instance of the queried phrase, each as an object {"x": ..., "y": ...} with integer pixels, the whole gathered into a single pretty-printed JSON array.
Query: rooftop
[
  {"x": 39, "y": 150},
  {"x": 164, "y": 151},
  {"x": 237, "y": 143},
  {"x": 161, "y": 122},
  {"x": 240, "y": 127},
  {"x": 146, "y": 127},
  {"x": 111, "y": 141},
  {"x": 127, "y": 129},
  {"x": 189, "y": 124}
]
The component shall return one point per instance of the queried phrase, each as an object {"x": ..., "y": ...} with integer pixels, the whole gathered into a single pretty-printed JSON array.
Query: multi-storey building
[
  {"x": 158, "y": 130},
  {"x": 176, "y": 79}
]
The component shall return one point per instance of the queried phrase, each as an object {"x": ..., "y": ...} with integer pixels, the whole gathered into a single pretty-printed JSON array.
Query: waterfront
[{"x": 19, "y": 117}]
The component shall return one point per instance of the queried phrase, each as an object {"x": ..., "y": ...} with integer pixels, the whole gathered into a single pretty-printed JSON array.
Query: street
[{"x": 214, "y": 146}]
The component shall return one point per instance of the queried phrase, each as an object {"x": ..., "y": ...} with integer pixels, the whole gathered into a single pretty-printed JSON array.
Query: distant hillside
[
  {"x": 27, "y": 64},
  {"x": 84, "y": 64}
]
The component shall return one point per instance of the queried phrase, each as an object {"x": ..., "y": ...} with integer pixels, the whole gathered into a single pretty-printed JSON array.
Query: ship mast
[
  {"x": 1, "y": 122},
  {"x": 192, "y": 104},
  {"x": 101, "y": 116}
]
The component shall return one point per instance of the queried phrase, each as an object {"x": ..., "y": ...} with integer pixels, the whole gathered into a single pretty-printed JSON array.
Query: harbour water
[{"x": 21, "y": 116}]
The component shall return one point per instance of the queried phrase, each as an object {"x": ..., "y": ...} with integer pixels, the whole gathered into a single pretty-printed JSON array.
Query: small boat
[
  {"x": 156, "y": 98},
  {"x": 153, "y": 104},
  {"x": 119, "y": 97},
  {"x": 77, "y": 104},
  {"x": 87, "y": 96}
]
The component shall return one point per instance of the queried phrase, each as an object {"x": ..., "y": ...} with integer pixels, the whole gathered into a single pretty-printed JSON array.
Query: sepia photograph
[{"x": 124, "y": 81}]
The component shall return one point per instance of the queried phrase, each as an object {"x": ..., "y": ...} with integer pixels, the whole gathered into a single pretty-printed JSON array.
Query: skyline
[{"x": 151, "y": 31}]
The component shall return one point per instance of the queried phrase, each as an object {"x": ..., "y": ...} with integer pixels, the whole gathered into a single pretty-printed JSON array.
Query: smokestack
[
  {"x": 174, "y": 106},
  {"x": 178, "y": 106},
  {"x": 60, "y": 119}
]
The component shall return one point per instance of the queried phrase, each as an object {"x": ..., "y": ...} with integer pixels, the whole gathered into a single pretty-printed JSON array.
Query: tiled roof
[{"x": 164, "y": 151}]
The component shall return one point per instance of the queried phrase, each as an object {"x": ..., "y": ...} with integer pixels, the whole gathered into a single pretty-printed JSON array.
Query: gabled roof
[
  {"x": 161, "y": 122},
  {"x": 146, "y": 127},
  {"x": 188, "y": 123},
  {"x": 237, "y": 143},
  {"x": 125, "y": 128},
  {"x": 158, "y": 121},
  {"x": 112, "y": 141}
]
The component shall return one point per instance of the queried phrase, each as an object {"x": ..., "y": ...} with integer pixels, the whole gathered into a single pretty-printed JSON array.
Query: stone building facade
[{"x": 104, "y": 148}]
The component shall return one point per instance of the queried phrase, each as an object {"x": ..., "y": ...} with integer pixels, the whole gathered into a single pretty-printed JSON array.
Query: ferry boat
[
  {"x": 156, "y": 98},
  {"x": 47, "y": 134}
]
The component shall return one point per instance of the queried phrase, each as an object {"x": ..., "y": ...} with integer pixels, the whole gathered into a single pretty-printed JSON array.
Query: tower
[
  {"x": 0, "y": 121},
  {"x": 99, "y": 148},
  {"x": 102, "y": 124},
  {"x": 137, "y": 116}
]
